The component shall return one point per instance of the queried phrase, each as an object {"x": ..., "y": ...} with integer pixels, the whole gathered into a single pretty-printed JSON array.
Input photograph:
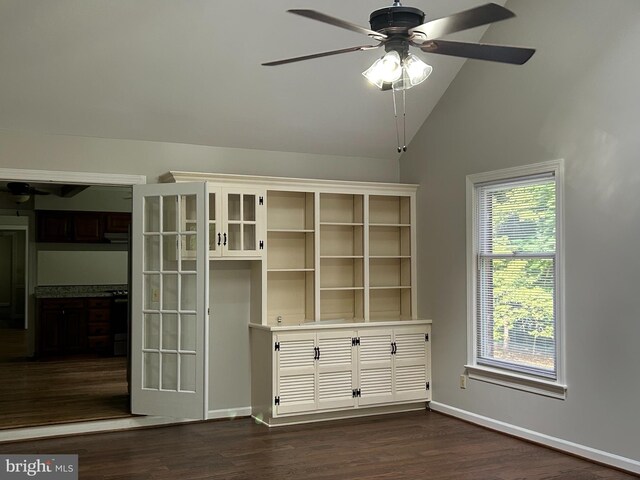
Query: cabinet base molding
[
  {"x": 338, "y": 415},
  {"x": 229, "y": 413}
]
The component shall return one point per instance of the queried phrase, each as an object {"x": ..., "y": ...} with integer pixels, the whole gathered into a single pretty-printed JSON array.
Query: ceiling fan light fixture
[
  {"x": 416, "y": 69},
  {"x": 387, "y": 69}
]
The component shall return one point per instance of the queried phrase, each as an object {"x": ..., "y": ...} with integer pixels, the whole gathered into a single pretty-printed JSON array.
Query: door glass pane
[
  {"x": 152, "y": 214},
  {"x": 189, "y": 286},
  {"x": 235, "y": 241},
  {"x": 249, "y": 207},
  {"x": 170, "y": 331},
  {"x": 189, "y": 245},
  {"x": 188, "y": 372},
  {"x": 169, "y": 371},
  {"x": 188, "y": 332},
  {"x": 233, "y": 206},
  {"x": 249, "y": 236},
  {"x": 151, "y": 330},
  {"x": 169, "y": 252},
  {"x": 151, "y": 291},
  {"x": 170, "y": 213},
  {"x": 151, "y": 369},
  {"x": 189, "y": 205},
  {"x": 170, "y": 292},
  {"x": 152, "y": 253},
  {"x": 212, "y": 206}
]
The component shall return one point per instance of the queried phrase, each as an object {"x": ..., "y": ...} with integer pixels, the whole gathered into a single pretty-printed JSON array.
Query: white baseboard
[
  {"x": 229, "y": 413},
  {"x": 589, "y": 453}
]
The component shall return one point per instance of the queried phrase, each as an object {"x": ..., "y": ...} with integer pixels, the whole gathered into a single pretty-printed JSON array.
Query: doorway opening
[{"x": 64, "y": 350}]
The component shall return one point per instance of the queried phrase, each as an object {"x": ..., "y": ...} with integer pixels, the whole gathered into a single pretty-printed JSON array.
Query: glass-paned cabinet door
[
  {"x": 169, "y": 303},
  {"x": 244, "y": 218}
]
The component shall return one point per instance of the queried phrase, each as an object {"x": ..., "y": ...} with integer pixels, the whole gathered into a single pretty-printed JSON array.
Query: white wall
[
  {"x": 576, "y": 99},
  {"x": 229, "y": 354},
  {"x": 82, "y": 267},
  {"x": 85, "y": 154}
]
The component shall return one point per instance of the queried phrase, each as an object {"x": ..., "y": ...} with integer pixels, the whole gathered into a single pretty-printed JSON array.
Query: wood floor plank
[
  {"x": 48, "y": 392},
  {"x": 406, "y": 446}
]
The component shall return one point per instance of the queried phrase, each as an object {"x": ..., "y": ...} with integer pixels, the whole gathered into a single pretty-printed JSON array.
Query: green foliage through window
[{"x": 516, "y": 273}]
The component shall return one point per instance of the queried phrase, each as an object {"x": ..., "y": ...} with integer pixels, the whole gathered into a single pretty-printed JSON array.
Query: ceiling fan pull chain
[
  {"x": 395, "y": 114},
  {"x": 404, "y": 120}
]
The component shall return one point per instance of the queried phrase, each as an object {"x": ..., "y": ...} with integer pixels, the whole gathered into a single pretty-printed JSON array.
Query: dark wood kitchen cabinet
[
  {"x": 54, "y": 226},
  {"x": 62, "y": 326},
  {"x": 69, "y": 326},
  {"x": 80, "y": 227},
  {"x": 87, "y": 227}
]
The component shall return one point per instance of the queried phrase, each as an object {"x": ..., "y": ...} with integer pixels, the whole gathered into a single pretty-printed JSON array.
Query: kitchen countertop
[{"x": 75, "y": 291}]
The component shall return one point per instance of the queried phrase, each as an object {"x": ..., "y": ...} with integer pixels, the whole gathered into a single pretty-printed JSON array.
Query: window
[{"x": 515, "y": 275}]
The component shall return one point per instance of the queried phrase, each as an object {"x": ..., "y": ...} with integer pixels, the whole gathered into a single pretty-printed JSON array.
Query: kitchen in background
[{"x": 77, "y": 328}]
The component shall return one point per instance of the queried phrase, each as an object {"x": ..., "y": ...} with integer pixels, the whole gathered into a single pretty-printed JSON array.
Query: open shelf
[
  {"x": 347, "y": 305},
  {"x": 389, "y": 303},
  {"x": 389, "y": 272},
  {"x": 341, "y": 241},
  {"x": 290, "y": 250},
  {"x": 290, "y": 296},
  {"x": 389, "y": 210},
  {"x": 385, "y": 241},
  {"x": 341, "y": 273},
  {"x": 290, "y": 211},
  {"x": 339, "y": 208}
]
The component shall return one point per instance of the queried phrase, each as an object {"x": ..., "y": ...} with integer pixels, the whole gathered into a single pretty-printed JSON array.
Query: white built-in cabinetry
[
  {"x": 334, "y": 328},
  {"x": 346, "y": 369}
]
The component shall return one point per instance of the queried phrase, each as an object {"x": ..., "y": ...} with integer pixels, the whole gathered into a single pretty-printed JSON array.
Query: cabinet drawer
[
  {"x": 99, "y": 342},
  {"x": 61, "y": 303},
  {"x": 99, "y": 315},
  {"x": 99, "y": 302},
  {"x": 97, "y": 329}
]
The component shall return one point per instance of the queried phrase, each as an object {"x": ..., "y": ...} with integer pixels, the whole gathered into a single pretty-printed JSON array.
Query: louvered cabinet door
[
  {"x": 410, "y": 370},
  {"x": 375, "y": 373},
  {"x": 295, "y": 373},
  {"x": 336, "y": 369}
]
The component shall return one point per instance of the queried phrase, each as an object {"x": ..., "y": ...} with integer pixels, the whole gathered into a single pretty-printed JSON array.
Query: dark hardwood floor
[
  {"x": 45, "y": 392},
  {"x": 406, "y": 446}
]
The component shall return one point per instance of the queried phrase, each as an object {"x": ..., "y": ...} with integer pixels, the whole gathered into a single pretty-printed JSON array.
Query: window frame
[{"x": 497, "y": 374}]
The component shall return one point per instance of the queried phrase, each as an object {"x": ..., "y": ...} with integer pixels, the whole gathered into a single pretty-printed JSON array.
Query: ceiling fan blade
[
  {"x": 479, "y": 51},
  {"x": 318, "y": 55},
  {"x": 337, "y": 22},
  {"x": 474, "y": 17}
]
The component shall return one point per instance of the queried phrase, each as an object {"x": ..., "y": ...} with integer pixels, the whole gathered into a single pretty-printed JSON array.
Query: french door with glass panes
[
  {"x": 169, "y": 300},
  {"x": 235, "y": 222}
]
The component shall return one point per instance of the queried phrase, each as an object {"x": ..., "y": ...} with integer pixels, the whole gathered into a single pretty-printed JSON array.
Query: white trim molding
[
  {"x": 68, "y": 177},
  {"x": 560, "y": 444},
  {"x": 557, "y": 387},
  {"x": 229, "y": 413}
]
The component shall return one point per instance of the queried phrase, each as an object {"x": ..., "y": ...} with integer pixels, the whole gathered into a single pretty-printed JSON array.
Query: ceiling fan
[
  {"x": 21, "y": 192},
  {"x": 397, "y": 28}
]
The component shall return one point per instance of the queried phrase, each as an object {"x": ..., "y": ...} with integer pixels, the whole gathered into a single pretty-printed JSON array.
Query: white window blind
[{"x": 516, "y": 320}]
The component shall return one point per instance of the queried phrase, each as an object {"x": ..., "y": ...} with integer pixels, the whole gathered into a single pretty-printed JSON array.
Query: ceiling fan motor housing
[{"x": 396, "y": 20}]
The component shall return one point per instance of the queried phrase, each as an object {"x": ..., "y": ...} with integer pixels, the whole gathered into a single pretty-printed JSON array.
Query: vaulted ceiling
[{"x": 189, "y": 72}]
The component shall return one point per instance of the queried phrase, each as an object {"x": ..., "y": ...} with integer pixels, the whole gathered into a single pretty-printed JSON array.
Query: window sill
[{"x": 516, "y": 381}]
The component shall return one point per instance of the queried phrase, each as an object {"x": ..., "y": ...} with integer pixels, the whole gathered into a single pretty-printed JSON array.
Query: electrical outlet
[{"x": 463, "y": 381}]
